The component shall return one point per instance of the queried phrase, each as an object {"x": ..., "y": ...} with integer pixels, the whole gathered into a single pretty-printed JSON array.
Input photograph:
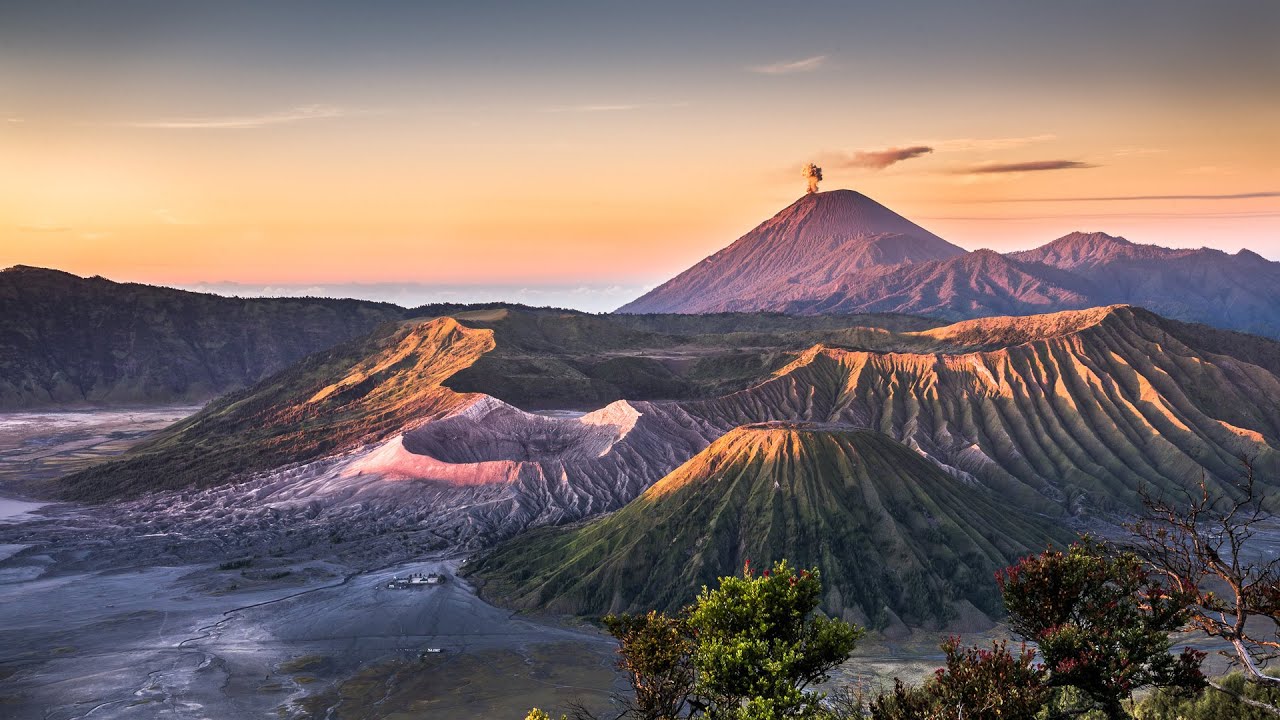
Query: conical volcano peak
[
  {"x": 815, "y": 241},
  {"x": 847, "y": 214}
]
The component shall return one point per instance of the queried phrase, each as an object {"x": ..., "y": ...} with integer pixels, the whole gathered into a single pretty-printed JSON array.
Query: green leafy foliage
[
  {"x": 655, "y": 651},
  {"x": 760, "y": 644},
  {"x": 974, "y": 684},
  {"x": 747, "y": 650},
  {"x": 1231, "y": 701},
  {"x": 1101, "y": 622}
]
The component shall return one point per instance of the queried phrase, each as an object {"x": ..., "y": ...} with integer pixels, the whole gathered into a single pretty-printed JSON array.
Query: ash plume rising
[{"x": 813, "y": 174}]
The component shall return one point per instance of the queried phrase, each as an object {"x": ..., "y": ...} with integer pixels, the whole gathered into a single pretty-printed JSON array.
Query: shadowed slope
[
  {"x": 1240, "y": 291},
  {"x": 975, "y": 284},
  {"x": 550, "y": 359},
  {"x": 893, "y": 535},
  {"x": 71, "y": 340}
]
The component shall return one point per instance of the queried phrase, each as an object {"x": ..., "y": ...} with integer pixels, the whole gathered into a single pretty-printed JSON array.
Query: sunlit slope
[
  {"x": 1078, "y": 409},
  {"x": 1066, "y": 413},
  {"x": 330, "y": 402},
  {"x": 895, "y": 537},
  {"x": 405, "y": 376}
]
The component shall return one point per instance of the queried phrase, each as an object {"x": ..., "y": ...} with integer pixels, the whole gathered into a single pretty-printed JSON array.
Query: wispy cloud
[
  {"x": 168, "y": 217},
  {"x": 788, "y": 67},
  {"x": 1129, "y": 151},
  {"x": 44, "y": 228},
  {"x": 248, "y": 122},
  {"x": 1023, "y": 167},
  {"x": 611, "y": 107},
  {"x": 985, "y": 144},
  {"x": 875, "y": 159},
  {"x": 1105, "y": 215},
  {"x": 1130, "y": 198}
]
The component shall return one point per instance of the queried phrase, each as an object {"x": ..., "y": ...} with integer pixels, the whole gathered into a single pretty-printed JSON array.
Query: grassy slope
[{"x": 887, "y": 529}]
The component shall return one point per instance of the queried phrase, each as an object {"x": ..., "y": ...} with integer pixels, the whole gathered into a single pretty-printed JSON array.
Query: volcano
[
  {"x": 840, "y": 252},
  {"x": 897, "y": 539},
  {"x": 817, "y": 240}
]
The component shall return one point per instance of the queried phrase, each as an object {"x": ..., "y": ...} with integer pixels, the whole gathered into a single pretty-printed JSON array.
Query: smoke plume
[{"x": 813, "y": 174}]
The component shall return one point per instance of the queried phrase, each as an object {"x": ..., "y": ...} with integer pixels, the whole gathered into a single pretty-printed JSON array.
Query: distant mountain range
[
  {"x": 842, "y": 252},
  {"x": 68, "y": 340}
]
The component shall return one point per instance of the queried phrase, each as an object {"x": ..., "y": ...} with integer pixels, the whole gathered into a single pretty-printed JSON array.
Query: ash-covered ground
[
  {"x": 269, "y": 598},
  {"x": 265, "y": 599}
]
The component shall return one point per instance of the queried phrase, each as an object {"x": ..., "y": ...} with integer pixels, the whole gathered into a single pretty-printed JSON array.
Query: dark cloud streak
[
  {"x": 1021, "y": 167},
  {"x": 878, "y": 159},
  {"x": 1123, "y": 198}
]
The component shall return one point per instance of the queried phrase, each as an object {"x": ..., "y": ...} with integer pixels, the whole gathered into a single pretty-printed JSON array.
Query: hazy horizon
[{"x": 575, "y": 144}]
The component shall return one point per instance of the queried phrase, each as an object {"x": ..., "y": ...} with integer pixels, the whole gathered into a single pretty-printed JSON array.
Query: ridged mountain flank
[
  {"x": 840, "y": 252},
  {"x": 815, "y": 241},
  {"x": 898, "y": 540},
  {"x": 1066, "y": 413},
  {"x": 1075, "y": 410}
]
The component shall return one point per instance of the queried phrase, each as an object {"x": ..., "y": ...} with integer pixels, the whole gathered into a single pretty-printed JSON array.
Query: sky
[{"x": 583, "y": 152}]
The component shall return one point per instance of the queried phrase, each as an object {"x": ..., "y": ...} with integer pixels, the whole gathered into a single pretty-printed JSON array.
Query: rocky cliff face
[
  {"x": 67, "y": 340},
  {"x": 1077, "y": 411}
]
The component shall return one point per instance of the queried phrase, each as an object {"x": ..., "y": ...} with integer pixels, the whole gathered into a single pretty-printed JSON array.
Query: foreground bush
[{"x": 749, "y": 649}]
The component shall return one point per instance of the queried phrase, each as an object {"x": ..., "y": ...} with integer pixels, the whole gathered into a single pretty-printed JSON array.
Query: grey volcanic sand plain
[
  {"x": 98, "y": 621},
  {"x": 38, "y": 446},
  {"x": 175, "y": 642}
]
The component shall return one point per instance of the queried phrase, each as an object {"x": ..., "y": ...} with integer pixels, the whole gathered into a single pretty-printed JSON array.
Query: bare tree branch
[{"x": 1201, "y": 548}]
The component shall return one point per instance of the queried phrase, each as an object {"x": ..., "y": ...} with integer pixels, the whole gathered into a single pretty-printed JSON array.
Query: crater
[{"x": 494, "y": 431}]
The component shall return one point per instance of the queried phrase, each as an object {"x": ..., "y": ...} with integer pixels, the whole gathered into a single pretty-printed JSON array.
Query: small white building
[{"x": 416, "y": 580}]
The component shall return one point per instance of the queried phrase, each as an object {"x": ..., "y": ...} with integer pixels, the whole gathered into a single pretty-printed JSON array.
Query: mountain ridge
[
  {"x": 1065, "y": 413},
  {"x": 1238, "y": 291},
  {"x": 68, "y": 340}
]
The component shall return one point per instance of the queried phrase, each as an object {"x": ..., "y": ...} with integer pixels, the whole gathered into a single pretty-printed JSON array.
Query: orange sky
[{"x": 605, "y": 161}]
